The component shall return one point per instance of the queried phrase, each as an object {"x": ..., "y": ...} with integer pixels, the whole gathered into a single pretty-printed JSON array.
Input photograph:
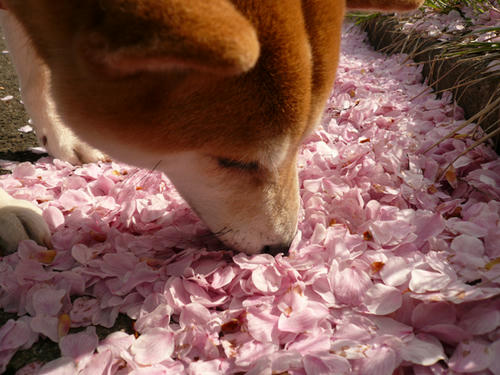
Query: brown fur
[{"x": 163, "y": 107}]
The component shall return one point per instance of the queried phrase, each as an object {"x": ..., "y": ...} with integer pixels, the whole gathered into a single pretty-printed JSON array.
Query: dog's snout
[{"x": 276, "y": 249}]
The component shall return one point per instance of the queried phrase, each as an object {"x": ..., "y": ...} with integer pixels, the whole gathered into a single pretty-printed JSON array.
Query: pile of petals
[
  {"x": 444, "y": 26},
  {"x": 394, "y": 270}
]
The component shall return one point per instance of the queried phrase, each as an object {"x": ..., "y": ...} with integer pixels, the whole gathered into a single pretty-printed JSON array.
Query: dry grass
[{"x": 472, "y": 50}]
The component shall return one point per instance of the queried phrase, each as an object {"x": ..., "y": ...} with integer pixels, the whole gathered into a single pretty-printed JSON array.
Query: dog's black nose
[{"x": 276, "y": 249}]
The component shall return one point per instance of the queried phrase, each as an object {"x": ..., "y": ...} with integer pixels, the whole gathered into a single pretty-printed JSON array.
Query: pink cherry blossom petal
[
  {"x": 350, "y": 284},
  {"x": 80, "y": 344},
  {"x": 325, "y": 364},
  {"x": 14, "y": 334},
  {"x": 471, "y": 356},
  {"x": 382, "y": 299},
  {"x": 251, "y": 351},
  {"x": 48, "y": 301},
  {"x": 305, "y": 320},
  {"x": 378, "y": 361},
  {"x": 423, "y": 350},
  {"x": 481, "y": 320},
  {"x": 262, "y": 325},
  {"x": 153, "y": 346},
  {"x": 60, "y": 366},
  {"x": 495, "y": 363},
  {"x": 423, "y": 281}
]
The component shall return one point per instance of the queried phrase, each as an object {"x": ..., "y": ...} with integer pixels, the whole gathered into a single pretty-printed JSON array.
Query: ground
[{"x": 14, "y": 145}]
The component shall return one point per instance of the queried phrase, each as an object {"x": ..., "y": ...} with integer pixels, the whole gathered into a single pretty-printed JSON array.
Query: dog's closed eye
[{"x": 226, "y": 163}]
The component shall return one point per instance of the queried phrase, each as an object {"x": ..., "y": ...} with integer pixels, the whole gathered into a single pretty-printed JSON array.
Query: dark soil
[{"x": 14, "y": 145}]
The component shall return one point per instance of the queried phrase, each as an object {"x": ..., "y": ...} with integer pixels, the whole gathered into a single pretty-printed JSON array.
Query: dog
[{"x": 218, "y": 94}]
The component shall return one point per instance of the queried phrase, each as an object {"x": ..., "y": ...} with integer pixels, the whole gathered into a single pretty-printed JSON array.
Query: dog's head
[{"x": 219, "y": 94}]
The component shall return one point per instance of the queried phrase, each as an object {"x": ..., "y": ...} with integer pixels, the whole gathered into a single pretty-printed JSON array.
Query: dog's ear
[
  {"x": 131, "y": 36},
  {"x": 386, "y": 5}
]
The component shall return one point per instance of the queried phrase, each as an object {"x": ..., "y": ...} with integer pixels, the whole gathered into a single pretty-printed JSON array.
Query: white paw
[
  {"x": 63, "y": 144},
  {"x": 20, "y": 220}
]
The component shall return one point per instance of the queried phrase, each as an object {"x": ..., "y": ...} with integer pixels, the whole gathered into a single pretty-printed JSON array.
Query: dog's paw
[
  {"x": 63, "y": 144},
  {"x": 20, "y": 220}
]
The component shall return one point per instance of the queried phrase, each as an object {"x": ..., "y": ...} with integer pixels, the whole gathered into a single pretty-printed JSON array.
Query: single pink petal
[
  {"x": 71, "y": 199},
  {"x": 266, "y": 279},
  {"x": 212, "y": 367},
  {"x": 223, "y": 277},
  {"x": 31, "y": 270},
  {"x": 116, "y": 342},
  {"x": 313, "y": 343},
  {"x": 313, "y": 186},
  {"x": 428, "y": 225},
  {"x": 423, "y": 281},
  {"x": 425, "y": 314},
  {"x": 469, "y": 250},
  {"x": 390, "y": 232},
  {"x": 253, "y": 262},
  {"x": 349, "y": 349},
  {"x": 83, "y": 310},
  {"x": 481, "y": 320},
  {"x": 467, "y": 227},
  {"x": 447, "y": 333},
  {"x": 391, "y": 327},
  {"x": 382, "y": 299},
  {"x": 322, "y": 287},
  {"x": 46, "y": 325},
  {"x": 23, "y": 170},
  {"x": 260, "y": 367},
  {"x": 262, "y": 325},
  {"x": 14, "y": 334},
  {"x": 100, "y": 363},
  {"x": 60, "y": 366},
  {"x": 495, "y": 363},
  {"x": 48, "y": 301},
  {"x": 395, "y": 271},
  {"x": 251, "y": 351},
  {"x": 353, "y": 331},
  {"x": 350, "y": 285},
  {"x": 123, "y": 285},
  {"x": 471, "y": 356},
  {"x": 159, "y": 317},
  {"x": 83, "y": 254},
  {"x": 379, "y": 360},
  {"x": 78, "y": 345},
  {"x": 154, "y": 346},
  {"x": 119, "y": 264},
  {"x": 198, "y": 294},
  {"x": 326, "y": 364},
  {"x": 156, "y": 369},
  {"x": 286, "y": 360},
  {"x": 423, "y": 350},
  {"x": 53, "y": 217},
  {"x": 176, "y": 294},
  {"x": 194, "y": 314},
  {"x": 305, "y": 320}
]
